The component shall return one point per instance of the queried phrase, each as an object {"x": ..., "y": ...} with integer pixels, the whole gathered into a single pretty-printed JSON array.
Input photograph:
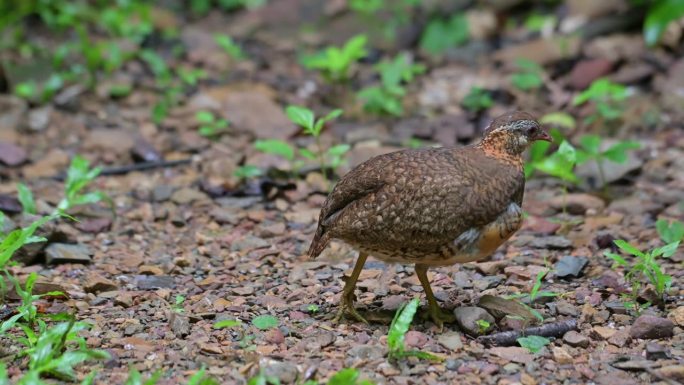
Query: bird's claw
[
  {"x": 346, "y": 307},
  {"x": 439, "y": 317}
]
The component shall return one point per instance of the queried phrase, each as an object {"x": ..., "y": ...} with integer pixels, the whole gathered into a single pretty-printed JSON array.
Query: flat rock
[
  {"x": 451, "y": 340},
  {"x": 249, "y": 242},
  {"x": 467, "y": 317},
  {"x": 675, "y": 372},
  {"x": 677, "y": 316},
  {"x": 115, "y": 140},
  {"x": 575, "y": 339},
  {"x": 366, "y": 352},
  {"x": 188, "y": 195},
  {"x": 180, "y": 324},
  {"x": 570, "y": 266},
  {"x": 602, "y": 332},
  {"x": 67, "y": 253},
  {"x": 586, "y": 71},
  {"x": 561, "y": 355},
  {"x": 578, "y": 204},
  {"x": 542, "y": 51},
  {"x": 96, "y": 283},
  {"x": 286, "y": 372},
  {"x": 512, "y": 353},
  {"x": 651, "y": 327},
  {"x": 153, "y": 282},
  {"x": 12, "y": 155},
  {"x": 557, "y": 242}
]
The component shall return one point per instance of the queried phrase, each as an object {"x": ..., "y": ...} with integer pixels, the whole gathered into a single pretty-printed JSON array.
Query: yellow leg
[
  {"x": 437, "y": 315},
  {"x": 348, "y": 297}
]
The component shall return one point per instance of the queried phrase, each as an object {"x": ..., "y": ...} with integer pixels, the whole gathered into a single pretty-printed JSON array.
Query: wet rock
[
  {"x": 586, "y": 71},
  {"x": 96, "y": 283},
  {"x": 570, "y": 266},
  {"x": 467, "y": 317},
  {"x": 576, "y": 339},
  {"x": 67, "y": 253},
  {"x": 651, "y": 327},
  {"x": 12, "y": 155},
  {"x": 578, "y": 204},
  {"x": 451, "y": 340},
  {"x": 153, "y": 282}
]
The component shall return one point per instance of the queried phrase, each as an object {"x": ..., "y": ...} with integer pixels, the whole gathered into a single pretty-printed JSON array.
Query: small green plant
[
  {"x": 26, "y": 198},
  {"x": 608, "y": 98},
  {"x": 313, "y": 308},
  {"x": 529, "y": 75},
  {"x": 590, "y": 150},
  {"x": 79, "y": 176},
  {"x": 670, "y": 232},
  {"x": 477, "y": 100},
  {"x": 333, "y": 157},
  {"x": 659, "y": 16},
  {"x": 228, "y": 323},
  {"x": 247, "y": 171},
  {"x": 645, "y": 268},
  {"x": 178, "y": 304},
  {"x": 210, "y": 125},
  {"x": 265, "y": 322},
  {"x": 537, "y": 22},
  {"x": 348, "y": 376},
  {"x": 397, "y": 331},
  {"x": 533, "y": 343},
  {"x": 229, "y": 46},
  {"x": 336, "y": 64},
  {"x": 483, "y": 326},
  {"x": 441, "y": 35},
  {"x": 387, "y": 97}
]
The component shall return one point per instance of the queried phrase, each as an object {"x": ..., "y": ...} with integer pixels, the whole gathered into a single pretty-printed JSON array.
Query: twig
[
  {"x": 121, "y": 170},
  {"x": 556, "y": 329}
]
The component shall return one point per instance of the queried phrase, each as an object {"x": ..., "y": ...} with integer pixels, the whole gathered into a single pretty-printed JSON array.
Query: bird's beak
[{"x": 543, "y": 135}]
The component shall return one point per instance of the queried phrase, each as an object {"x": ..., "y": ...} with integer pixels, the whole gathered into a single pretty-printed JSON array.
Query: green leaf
[
  {"x": 322, "y": 121},
  {"x": 228, "y": 323},
  {"x": 629, "y": 249},
  {"x": 659, "y": 16},
  {"x": 4, "y": 378},
  {"x": 618, "y": 152},
  {"x": 26, "y": 198},
  {"x": 248, "y": 171},
  {"x": 533, "y": 343},
  {"x": 339, "y": 150},
  {"x": 347, "y": 376},
  {"x": 526, "y": 81},
  {"x": 301, "y": 116},
  {"x": 265, "y": 322},
  {"x": 591, "y": 144},
  {"x": 559, "y": 119},
  {"x": 666, "y": 251},
  {"x": 276, "y": 147},
  {"x": 441, "y": 35},
  {"x": 205, "y": 117},
  {"x": 617, "y": 258},
  {"x": 400, "y": 325},
  {"x": 308, "y": 154}
]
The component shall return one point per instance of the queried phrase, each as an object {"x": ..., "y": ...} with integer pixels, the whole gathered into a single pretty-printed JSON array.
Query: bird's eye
[{"x": 530, "y": 130}]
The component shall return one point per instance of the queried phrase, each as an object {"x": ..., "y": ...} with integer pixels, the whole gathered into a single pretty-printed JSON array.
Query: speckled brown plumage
[{"x": 434, "y": 206}]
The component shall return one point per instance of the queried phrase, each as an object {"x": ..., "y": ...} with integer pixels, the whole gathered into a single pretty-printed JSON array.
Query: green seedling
[
  {"x": 263, "y": 379},
  {"x": 333, "y": 157},
  {"x": 191, "y": 76},
  {"x": 135, "y": 378},
  {"x": 265, "y": 322},
  {"x": 247, "y": 171},
  {"x": 397, "y": 331},
  {"x": 670, "y": 232},
  {"x": 608, "y": 98},
  {"x": 229, "y": 46},
  {"x": 659, "y": 16},
  {"x": 228, "y": 323},
  {"x": 483, "y": 326},
  {"x": 348, "y": 376},
  {"x": 645, "y": 268},
  {"x": 202, "y": 378},
  {"x": 313, "y": 308},
  {"x": 529, "y": 75},
  {"x": 178, "y": 304},
  {"x": 441, "y": 35},
  {"x": 533, "y": 343},
  {"x": 537, "y": 23},
  {"x": 590, "y": 150},
  {"x": 366, "y": 7},
  {"x": 477, "y": 100},
  {"x": 558, "y": 119},
  {"x": 336, "y": 64},
  {"x": 26, "y": 198},
  {"x": 79, "y": 176},
  {"x": 210, "y": 125},
  {"x": 387, "y": 97}
]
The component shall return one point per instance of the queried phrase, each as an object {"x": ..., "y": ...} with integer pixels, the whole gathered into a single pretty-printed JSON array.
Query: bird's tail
[{"x": 319, "y": 242}]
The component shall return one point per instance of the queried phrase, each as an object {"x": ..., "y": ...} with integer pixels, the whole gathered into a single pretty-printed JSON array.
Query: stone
[
  {"x": 249, "y": 242},
  {"x": 677, "y": 316},
  {"x": 118, "y": 141},
  {"x": 561, "y": 355},
  {"x": 180, "y": 324},
  {"x": 651, "y": 327},
  {"x": 541, "y": 51},
  {"x": 576, "y": 339},
  {"x": 12, "y": 155},
  {"x": 586, "y": 71},
  {"x": 570, "y": 266},
  {"x": 162, "y": 192},
  {"x": 620, "y": 338},
  {"x": 566, "y": 308},
  {"x": 556, "y": 242},
  {"x": 415, "y": 339},
  {"x": 38, "y": 118},
  {"x": 96, "y": 283},
  {"x": 656, "y": 351},
  {"x": 285, "y": 371},
  {"x": 451, "y": 340},
  {"x": 674, "y": 372},
  {"x": 53, "y": 162},
  {"x": 467, "y": 317},
  {"x": 366, "y": 352},
  {"x": 512, "y": 353},
  {"x": 153, "y": 282},
  {"x": 188, "y": 195},
  {"x": 602, "y": 332},
  {"x": 67, "y": 253},
  {"x": 578, "y": 203}
]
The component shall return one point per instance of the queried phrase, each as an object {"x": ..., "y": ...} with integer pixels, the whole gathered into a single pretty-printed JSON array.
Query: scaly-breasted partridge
[{"x": 431, "y": 207}]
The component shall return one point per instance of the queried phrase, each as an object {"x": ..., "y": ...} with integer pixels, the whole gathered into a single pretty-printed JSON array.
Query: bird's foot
[
  {"x": 439, "y": 316},
  {"x": 346, "y": 307}
]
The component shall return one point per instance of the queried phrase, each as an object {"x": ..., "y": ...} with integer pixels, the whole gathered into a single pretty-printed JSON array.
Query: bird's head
[{"x": 512, "y": 132}]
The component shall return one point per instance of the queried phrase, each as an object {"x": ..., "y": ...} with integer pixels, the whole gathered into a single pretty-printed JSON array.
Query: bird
[{"x": 431, "y": 207}]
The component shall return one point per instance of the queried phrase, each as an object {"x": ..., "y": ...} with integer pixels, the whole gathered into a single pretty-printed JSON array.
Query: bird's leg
[
  {"x": 348, "y": 297},
  {"x": 438, "y": 316}
]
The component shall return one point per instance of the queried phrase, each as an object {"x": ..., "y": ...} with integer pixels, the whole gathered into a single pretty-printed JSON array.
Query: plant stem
[
  {"x": 321, "y": 158},
  {"x": 602, "y": 175}
]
